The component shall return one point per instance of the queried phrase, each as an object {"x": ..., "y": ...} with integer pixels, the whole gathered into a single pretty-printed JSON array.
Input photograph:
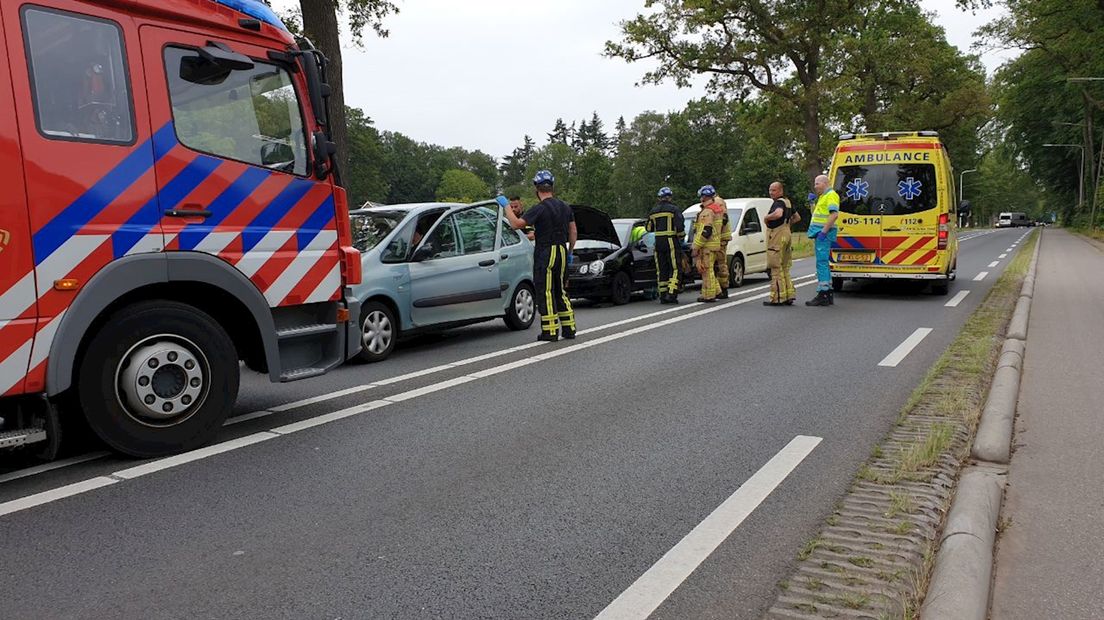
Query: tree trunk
[
  {"x": 811, "y": 113},
  {"x": 321, "y": 27}
]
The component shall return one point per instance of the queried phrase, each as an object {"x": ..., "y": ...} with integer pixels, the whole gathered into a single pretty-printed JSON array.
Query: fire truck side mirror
[{"x": 324, "y": 150}]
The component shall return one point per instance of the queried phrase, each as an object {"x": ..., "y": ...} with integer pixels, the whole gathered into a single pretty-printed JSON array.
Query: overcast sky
[{"x": 463, "y": 72}]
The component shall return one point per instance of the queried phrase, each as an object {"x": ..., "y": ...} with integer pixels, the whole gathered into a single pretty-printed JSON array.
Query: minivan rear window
[{"x": 886, "y": 189}]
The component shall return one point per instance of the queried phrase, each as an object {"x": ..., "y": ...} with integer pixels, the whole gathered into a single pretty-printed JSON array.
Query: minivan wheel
[
  {"x": 160, "y": 377},
  {"x": 379, "y": 329},
  {"x": 736, "y": 272},
  {"x": 522, "y": 309},
  {"x": 621, "y": 289}
]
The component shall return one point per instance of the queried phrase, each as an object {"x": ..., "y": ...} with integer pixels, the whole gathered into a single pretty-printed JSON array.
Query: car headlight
[
  {"x": 596, "y": 268},
  {"x": 584, "y": 269}
]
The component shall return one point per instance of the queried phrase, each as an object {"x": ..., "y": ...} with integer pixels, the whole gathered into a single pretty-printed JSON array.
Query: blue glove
[
  {"x": 570, "y": 259},
  {"x": 502, "y": 202},
  {"x": 812, "y": 197},
  {"x": 822, "y": 236}
]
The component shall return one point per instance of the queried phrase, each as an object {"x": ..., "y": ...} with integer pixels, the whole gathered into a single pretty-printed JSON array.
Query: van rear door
[{"x": 889, "y": 215}]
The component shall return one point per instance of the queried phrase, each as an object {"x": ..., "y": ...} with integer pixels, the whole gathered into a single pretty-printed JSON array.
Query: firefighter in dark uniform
[
  {"x": 665, "y": 220},
  {"x": 553, "y": 223}
]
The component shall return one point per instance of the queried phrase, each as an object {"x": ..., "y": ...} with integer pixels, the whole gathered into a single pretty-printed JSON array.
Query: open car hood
[{"x": 595, "y": 225}]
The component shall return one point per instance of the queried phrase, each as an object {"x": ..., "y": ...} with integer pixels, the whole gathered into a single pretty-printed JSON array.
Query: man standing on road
[
  {"x": 667, "y": 223},
  {"x": 780, "y": 246},
  {"x": 822, "y": 228},
  {"x": 707, "y": 240},
  {"x": 515, "y": 206},
  {"x": 553, "y": 223}
]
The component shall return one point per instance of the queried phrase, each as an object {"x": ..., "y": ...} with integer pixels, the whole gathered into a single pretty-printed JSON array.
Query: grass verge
[
  {"x": 906, "y": 487},
  {"x": 802, "y": 246}
]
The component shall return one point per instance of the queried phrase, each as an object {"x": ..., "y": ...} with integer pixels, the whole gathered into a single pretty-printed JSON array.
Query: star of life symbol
[
  {"x": 909, "y": 189},
  {"x": 858, "y": 189}
]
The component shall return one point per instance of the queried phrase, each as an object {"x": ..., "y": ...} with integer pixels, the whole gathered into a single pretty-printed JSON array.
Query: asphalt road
[{"x": 498, "y": 485}]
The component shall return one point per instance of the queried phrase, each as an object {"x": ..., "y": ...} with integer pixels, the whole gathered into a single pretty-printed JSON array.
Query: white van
[
  {"x": 747, "y": 252},
  {"x": 1012, "y": 220}
]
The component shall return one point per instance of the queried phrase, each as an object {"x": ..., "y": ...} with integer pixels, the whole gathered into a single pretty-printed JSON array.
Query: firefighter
[
  {"x": 707, "y": 239},
  {"x": 554, "y": 231},
  {"x": 720, "y": 261},
  {"x": 779, "y": 246},
  {"x": 665, "y": 220}
]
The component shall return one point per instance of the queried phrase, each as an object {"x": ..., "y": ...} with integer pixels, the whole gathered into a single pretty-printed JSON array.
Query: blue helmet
[
  {"x": 707, "y": 190},
  {"x": 544, "y": 177},
  {"x": 665, "y": 192}
]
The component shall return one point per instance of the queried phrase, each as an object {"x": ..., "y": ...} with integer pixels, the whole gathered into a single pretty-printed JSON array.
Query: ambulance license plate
[{"x": 855, "y": 257}]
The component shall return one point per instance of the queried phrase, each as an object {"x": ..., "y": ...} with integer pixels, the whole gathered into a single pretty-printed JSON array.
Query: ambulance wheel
[
  {"x": 621, "y": 289},
  {"x": 837, "y": 284},
  {"x": 378, "y": 332},
  {"x": 522, "y": 308},
  {"x": 941, "y": 287},
  {"x": 736, "y": 272},
  {"x": 159, "y": 378}
]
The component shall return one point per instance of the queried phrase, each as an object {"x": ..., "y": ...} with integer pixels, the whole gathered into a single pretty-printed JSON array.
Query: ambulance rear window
[{"x": 887, "y": 189}]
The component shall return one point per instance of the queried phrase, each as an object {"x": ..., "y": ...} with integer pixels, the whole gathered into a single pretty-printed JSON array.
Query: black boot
[
  {"x": 821, "y": 299},
  {"x": 831, "y": 298},
  {"x": 567, "y": 333},
  {"x": 723, "y": 294},
  {"x": 543, "y": 337}
]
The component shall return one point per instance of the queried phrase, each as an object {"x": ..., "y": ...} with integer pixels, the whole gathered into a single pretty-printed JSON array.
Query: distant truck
[
  {"x": 169, "y": 209},
  {"x": 1012, "y": 220}
]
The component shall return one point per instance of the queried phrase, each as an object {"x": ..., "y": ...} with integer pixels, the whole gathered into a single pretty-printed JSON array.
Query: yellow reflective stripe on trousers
[{"x": 567, "y": 317}]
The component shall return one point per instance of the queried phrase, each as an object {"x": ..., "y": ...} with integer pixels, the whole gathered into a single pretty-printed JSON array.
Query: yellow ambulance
[{"x": 898, "y": 209}]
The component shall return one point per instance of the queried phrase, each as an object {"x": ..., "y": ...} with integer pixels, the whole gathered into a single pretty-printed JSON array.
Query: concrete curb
[
  {"x": 963, "y": 566},
  {"x": 959, "y": 587}
]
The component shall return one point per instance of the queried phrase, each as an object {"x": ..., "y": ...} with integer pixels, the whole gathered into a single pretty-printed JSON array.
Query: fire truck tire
[{"x": 159, "y": 377}]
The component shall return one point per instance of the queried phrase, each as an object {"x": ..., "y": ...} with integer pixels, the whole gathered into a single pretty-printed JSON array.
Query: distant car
[
  {"x": 433, "y": 266},
  {"x": 607, "y": 266},
  {"x": 747, "y": 252}
]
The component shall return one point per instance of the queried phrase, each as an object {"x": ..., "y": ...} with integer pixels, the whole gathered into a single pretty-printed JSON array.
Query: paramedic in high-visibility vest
[
  {"x": 553, "y": 222},
  {"x": 822, "y": 228}
]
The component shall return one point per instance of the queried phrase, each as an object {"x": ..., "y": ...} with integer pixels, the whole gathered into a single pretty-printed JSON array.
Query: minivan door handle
[{"x": 487, "y": 263}]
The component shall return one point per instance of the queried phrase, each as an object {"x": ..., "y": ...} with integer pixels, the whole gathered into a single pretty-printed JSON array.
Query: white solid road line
[
  {"x": 195, "y": 455},
  {"x": 648, "y": 592},
  {"x": 41, "y": 469},
  {"x": 906, "y": 347},
  {"x": 54, "y": 495},
  {"x": 981, "y": 276},
  {"x": 994, "y": 264},
  {"x": 957, "y": 299}
]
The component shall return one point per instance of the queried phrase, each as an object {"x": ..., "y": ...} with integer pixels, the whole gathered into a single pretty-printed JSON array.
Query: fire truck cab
[{"x": 168, "y": 210}]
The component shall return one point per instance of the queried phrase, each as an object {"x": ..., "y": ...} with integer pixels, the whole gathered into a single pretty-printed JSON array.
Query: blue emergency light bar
[{"x": 255, "y": 9}]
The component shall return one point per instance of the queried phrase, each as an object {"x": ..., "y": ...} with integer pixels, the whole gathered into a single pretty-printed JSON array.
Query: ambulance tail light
[
  {"x": 350, "y": 256},
  {"x": 944, "y": 229}
]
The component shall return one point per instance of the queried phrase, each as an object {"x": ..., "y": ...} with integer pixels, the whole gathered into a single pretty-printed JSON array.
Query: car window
[
  {"x": 442, "y": 241},
  {"x": 751, "y": 222},
  {"x": 509, "y": 235},
  {"x": 78, "y": 77},
  {"x": 249, "y": 115},
  {"x": 885, "y": 189},
  {"x": 477, "y": 233},
  {"x": 369, "y": 230}
]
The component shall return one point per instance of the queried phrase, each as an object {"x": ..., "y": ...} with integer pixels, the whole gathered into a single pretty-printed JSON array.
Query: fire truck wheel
[{"x": 159, "y": 377}]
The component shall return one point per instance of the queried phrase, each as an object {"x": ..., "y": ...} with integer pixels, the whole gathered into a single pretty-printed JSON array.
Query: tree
[
  {"x": 788, "y": 51},
  {"x": 364, "y": 179},
  {"x": 560, "y": 133},
  {"x": 320, "y": 24},
  {"x": 461, "y": 186}
]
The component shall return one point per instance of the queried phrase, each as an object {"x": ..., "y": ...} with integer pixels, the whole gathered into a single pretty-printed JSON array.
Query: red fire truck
[{"x": 168, "y": 211}]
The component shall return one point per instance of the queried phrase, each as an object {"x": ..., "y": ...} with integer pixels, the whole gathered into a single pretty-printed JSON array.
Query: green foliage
[
  {"x": 1039, "y": 105},
  {"x": 461, "y": 186}
]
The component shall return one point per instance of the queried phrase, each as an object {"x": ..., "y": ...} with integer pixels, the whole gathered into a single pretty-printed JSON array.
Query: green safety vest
[{"x": 821, "y": 210}]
